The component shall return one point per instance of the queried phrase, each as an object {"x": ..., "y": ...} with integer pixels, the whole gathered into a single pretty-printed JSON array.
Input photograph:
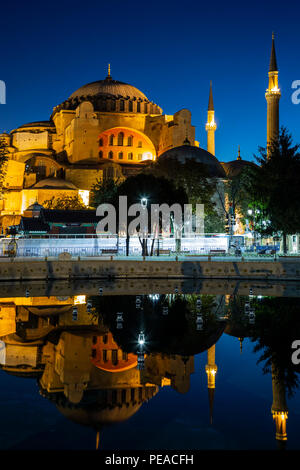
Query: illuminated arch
[
  {"x": 35, "y": 162},
  {"x": 103, "y": 359},
  {"x": 39, "y": 155},
  {"x": 125, "y": 138}
]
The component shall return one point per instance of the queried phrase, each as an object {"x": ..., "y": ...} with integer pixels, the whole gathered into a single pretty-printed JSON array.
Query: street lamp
[
  {"x": 141, "y": 339},
  {"x": 144, "y": 202}
]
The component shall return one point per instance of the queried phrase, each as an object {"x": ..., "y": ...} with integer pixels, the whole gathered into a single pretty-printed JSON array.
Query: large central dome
[
  {"x": 109, "y": 87},
  {"x": 110, "y": 96}
]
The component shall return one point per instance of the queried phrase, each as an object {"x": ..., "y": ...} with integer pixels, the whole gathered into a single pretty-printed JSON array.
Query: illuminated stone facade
[{"x": 104, "y": 129}]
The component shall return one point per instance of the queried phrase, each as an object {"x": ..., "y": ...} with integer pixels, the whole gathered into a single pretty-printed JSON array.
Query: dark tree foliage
[
  {"x": 277, "y": 325},
  {"x": 236, "y": 192},
  {"x": 174, "y": 333},
  {"x": 65, "y": 203},
  {"x": 274, "y": 188},
  {"x": 157, "y": 190},
  {"x": 193, "y": 177},
  {"x": 104, "y": 191}
]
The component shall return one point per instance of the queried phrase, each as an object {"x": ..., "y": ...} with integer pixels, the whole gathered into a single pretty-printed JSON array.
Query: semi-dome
[
  {"x": 190, "y": 152},
  {"x": 54, "y": 183},
  {"x": 96, "y": 417},
  {"x": 37, "y": 124},
  {"x": 35, "y": 207},
  {"x": 33, "y": 210},
  {"x": 235, "y": 167},
  {"x": 109, "y": 87}
]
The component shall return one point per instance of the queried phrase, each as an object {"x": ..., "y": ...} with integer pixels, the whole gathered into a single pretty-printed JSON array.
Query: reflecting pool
[{"x": 141, "y": 365}]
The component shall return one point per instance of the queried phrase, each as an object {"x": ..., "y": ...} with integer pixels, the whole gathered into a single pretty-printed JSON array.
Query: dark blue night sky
[{"x": 170, "y": 50}]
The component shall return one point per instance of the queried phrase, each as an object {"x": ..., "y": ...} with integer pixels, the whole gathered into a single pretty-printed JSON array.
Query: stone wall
[{"x": 150, "y": 269}]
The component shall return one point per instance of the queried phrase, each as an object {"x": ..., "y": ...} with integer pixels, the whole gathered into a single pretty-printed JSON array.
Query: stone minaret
[
  {"x": 273, "y": 96},
  {"x": 211, "y": 125},
  {"x": 211, "y": 370},
  {"x": 279, "y": 407}
]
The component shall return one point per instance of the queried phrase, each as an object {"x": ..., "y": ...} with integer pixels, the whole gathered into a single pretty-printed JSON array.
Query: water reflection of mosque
[{"x": 87, "y": 364}]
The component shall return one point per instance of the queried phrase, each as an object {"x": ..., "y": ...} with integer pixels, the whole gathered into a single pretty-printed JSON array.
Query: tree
[
  {"x": 274, "y": 188},
  {"x": 156, "y": 190},
  {"x": 277, "y": 325},
  {"x": 3, "y": 163},
  {"x": 171, "y": 333},
  {"x": 103, "y": 191},
  {"x": 65, "y": 203},
  {"x": 235, "y": 199},
  {"x": 193, "y": 177}
]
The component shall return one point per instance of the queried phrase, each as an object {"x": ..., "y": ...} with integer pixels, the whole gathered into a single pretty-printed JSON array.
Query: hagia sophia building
[{"x": 107, "y": 129}]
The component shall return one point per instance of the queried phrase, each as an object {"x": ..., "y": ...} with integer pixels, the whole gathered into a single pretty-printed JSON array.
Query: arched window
[
  {"x": 122, "y": 105},
  {"x": 103, "y": 105},
  {"x": 140, "y": 144},
  {"x": 114, "y": 360},
  {"x": 130, "y": 107},
  {"x": 146, "y": 108},
  {"x": 100, "y": 154},
  {"x": 120, "y": 138},
  {"x": 113, "y": 105},
  {"x": 110, "y": 155},
  {"x": 111, "y": 139},
  {"x": 101, "y": 142},
  {"x": 130, "y": 156},
  {"x": 120, "y": 155},
  {"x": 130, "y": 141},
  {"x": 138, "y": 107},
  {"x": 140, "y": 156}
]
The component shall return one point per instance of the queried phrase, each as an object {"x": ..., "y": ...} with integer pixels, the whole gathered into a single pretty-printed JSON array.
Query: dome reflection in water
[{"x": 140, "y": 370}]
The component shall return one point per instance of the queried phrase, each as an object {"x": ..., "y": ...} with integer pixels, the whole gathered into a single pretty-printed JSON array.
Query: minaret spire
[
  {"x": 273, "y": 95},
  {"x": 273, "y": 62},
  {"x": 239, "y": 154},
  {"x": 211, "y": 125},
  {"x": 97, "y": 440},
  {"x": 210, "y": 100}
]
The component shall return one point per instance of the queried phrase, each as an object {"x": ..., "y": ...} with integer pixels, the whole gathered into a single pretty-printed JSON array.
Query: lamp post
[
  {"x": 231, "y": 223},
  {"x": 144, "y": 202},
  {"x": 254, "y": 213},
  {"x": 141, "y": 351}
]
